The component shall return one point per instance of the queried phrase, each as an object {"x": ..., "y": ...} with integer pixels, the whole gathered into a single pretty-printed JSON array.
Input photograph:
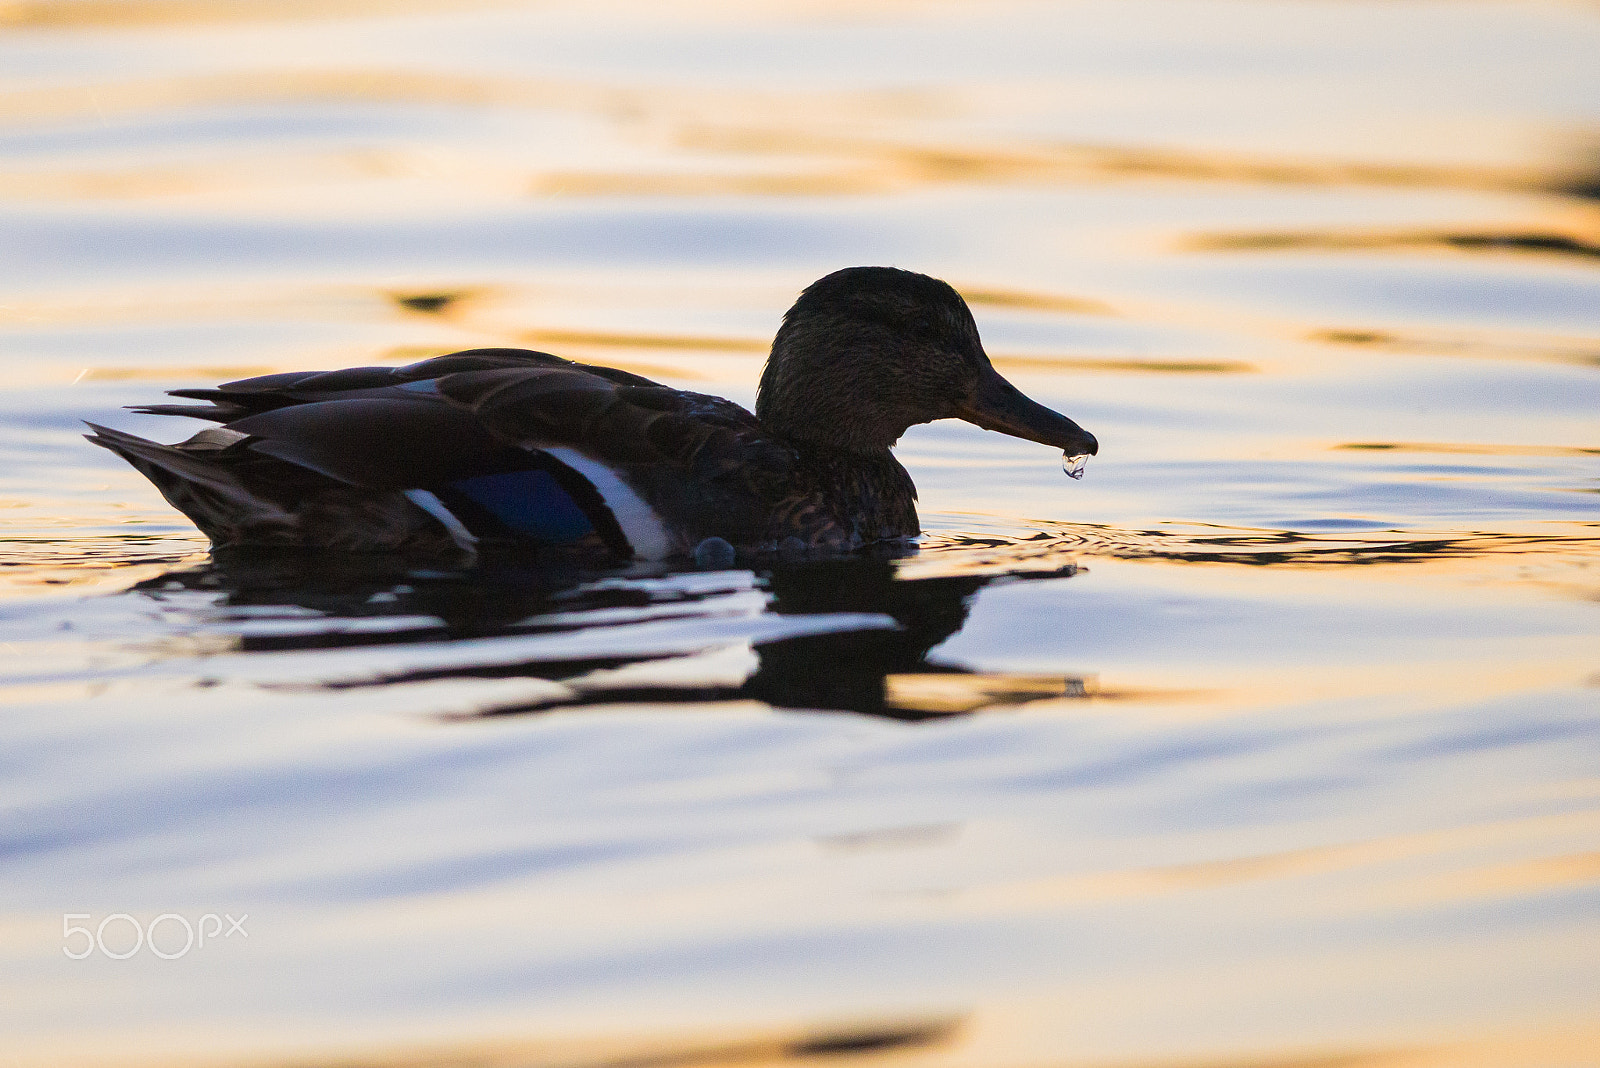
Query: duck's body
[
  {"x": 519, "y": 446},
  {"x": 507, "y": 445}
]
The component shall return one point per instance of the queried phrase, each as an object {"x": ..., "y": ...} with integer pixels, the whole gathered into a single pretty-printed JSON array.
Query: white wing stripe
[
  {"x": 435, "y": 507},
  {"x": 639, "y": 522}
]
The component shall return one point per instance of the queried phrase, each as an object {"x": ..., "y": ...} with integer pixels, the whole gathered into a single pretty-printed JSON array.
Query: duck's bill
[{"x": 998, "y": 405}]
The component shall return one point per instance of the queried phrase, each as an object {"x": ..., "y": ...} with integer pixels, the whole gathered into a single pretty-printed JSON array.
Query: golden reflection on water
[
  {"x": 908, "y": 1039},
  {"x": 1483, "y": 344},
  {"x": 950, "y": 693},
  {"x": 631, "y": 107},
  {"x": 887, "y": 167},
  {"x": 1450, "y": 854},
  {"x": 606, "y": 340},
  {"x": 1573, "y": 234},
  {"x": 1200, "y": 543},
  {"x": 88, "y": 14},
  {"x": 992, "y": 297},
  {"x": 1227, "y": 688},
  {"x": 1560, "y": 246},
  {"x": 494, "y": 315},
  {"x": 784, "y": 128},
  {"x": 220, "y": 373},
  {"x": 107, "y": 562},
  {"x": 1468, "y": 448},
  {"x": 595, "y": 347},
  {"x": 1076, "y": 364},
  {"x": 884, "y": 168},
  {"x": 995, "y": 1037}
]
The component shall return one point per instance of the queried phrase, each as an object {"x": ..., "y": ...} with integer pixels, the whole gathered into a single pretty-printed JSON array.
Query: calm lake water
[{"x": 1274, "y": 741}]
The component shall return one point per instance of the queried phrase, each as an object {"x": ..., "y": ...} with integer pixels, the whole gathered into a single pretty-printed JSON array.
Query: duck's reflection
[
  {"x": 880, "y": 670},
  {"x": 850, "y": 670}
]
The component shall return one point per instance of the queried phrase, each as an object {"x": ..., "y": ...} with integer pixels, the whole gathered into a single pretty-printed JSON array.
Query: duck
[{"x": 503, "y": 446}]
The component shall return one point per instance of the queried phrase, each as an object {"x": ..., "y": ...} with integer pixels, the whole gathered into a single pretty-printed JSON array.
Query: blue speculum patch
[{"x": 532, "y": 503}]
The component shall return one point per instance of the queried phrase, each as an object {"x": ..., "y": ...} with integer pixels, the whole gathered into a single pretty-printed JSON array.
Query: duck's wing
[
  {"x": 234, "y": 400},
  {"x": 673, "y": 466},
  {"x": 524, "y": 444}
]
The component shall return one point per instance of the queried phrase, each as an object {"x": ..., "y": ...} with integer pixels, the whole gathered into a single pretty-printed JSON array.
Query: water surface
[{"x": 1272, "y": 741}]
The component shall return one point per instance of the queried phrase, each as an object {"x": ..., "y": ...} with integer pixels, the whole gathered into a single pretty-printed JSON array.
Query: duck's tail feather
[
  {"x": 196, "y": 484},
  {"x": 217, "y": 413}
]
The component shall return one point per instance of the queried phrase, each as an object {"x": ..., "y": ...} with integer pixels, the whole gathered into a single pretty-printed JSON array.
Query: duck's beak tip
[{"x": 996, "y": 404}]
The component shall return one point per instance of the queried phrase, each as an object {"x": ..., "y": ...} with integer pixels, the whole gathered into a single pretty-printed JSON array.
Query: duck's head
[{"x": 868, "y": 351}]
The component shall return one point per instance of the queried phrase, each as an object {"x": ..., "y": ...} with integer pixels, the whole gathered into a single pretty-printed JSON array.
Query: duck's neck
[
  {"x": 836, "y": 384},
  {"x": 830, "y": 424},
  {"x": 869, "y": 494}
]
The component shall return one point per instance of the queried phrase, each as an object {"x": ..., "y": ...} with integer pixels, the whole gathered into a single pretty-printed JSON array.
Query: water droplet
[{"x": 1073, "y": 465}]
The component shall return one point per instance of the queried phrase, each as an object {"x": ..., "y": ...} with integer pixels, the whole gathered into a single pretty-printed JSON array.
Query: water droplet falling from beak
[{"x": 1074, "y": 465}]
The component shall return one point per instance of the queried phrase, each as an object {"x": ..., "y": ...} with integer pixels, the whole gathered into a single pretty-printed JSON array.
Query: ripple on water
[{"x": 1272, "y": 742}]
